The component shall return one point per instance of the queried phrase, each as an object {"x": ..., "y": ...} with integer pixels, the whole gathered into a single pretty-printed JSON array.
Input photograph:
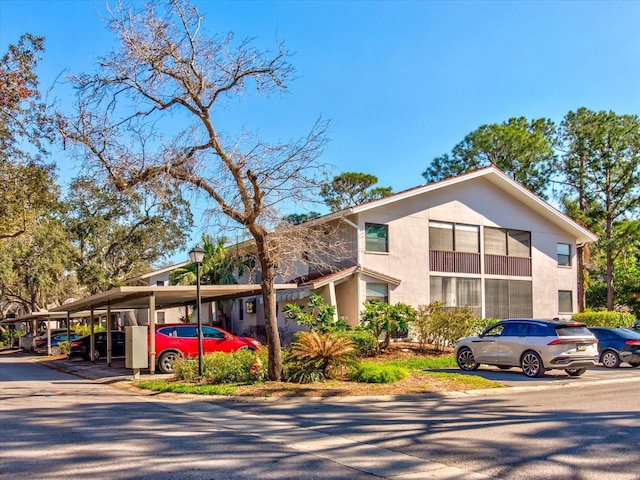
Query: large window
[
  {"x": 454, "y": 247},
  {"x": 377, "y": 237},
  {"x": 508, "y": 298},
  {"x": 507, "y": 252},
  {"x": 450, "y": 237},
  {"x": 564, "y": 255},
  {"x": 378, "y": 291},
  {"x": 565, "y": 301},
  {"x": 456, "y": 292},
  {"x": 501, "y": 241}
]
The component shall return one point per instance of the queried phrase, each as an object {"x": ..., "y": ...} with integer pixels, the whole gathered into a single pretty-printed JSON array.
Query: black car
[
  {"x": 616, "y": 345},
  {"x": 82, "y": 346}
]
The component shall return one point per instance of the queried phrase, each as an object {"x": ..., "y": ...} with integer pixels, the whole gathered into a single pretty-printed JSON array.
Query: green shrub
[
  {"x": 374, "y": 373},
  {"x": 382, "y": 318},
  {"x": 320, "y": 317},
  {"x": 604, "y": 319},
  {"x": 221, "y": 367},
  {"x": 365, "y": 342},
  {"x": 314, "y": 356},
  {"x": 442, "y": 327},
  {"x": 83, "y": 330}
]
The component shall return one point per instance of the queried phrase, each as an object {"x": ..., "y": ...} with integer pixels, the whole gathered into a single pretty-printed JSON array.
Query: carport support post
[
  {"x": 49, "y": 335},
  {"x": 109, "y": 344},
  {"x": 152, "y": 333},
  {"x": 69, "y": 333},
  {"x": 92, "y": 342}
]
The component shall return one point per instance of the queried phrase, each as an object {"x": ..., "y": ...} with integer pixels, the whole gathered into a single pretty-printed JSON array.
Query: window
[
  {"x": 508, "y": 298},
  {"x": 441, "y": 236},
  {"x": 501, "y": 241},
  {"x": 454, "y": 237},
  {"x": 250, "y": 306},
  {"x": 564, "y": 255},
  {"x": 456, "y": 292},
  {"x": 376, "y": 237},
  {"x": 378, "y": 291},
  {"x": 565, "y": 301}
]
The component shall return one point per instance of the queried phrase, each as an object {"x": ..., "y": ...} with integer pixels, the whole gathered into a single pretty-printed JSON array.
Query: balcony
[
  {"x": 508, "y": 266},
  {"x": 458, "y": 262}
]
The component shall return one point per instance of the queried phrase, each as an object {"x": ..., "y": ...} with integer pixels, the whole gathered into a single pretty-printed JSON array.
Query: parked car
[
  {"x": 617, "y": 345},
  {"x": 181, "y": 340},
  {"x": 28, "y": 341},
  {"x": 82, "y": 346},
  {"x": 42, "y": 345},
  {"x": 533, "y": 345}
]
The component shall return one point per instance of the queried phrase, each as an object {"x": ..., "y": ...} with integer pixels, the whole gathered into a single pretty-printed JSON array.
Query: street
[{"x": 58, "y": 426}]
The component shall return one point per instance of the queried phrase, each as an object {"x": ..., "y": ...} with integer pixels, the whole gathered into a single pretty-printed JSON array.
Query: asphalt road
[{"x": 58, "y": 426}]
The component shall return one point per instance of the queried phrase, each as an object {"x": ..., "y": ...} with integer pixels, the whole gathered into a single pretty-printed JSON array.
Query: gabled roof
[
  {"x": 496, "y": 177},
  {"x": 323, "y": 280}
]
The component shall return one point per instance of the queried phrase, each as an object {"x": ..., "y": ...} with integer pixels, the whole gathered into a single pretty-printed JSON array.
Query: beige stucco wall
[{"x": 475, "y": 202}]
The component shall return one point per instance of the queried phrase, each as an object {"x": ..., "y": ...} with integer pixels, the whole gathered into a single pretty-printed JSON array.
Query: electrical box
[{"x": 136, "y": 347}]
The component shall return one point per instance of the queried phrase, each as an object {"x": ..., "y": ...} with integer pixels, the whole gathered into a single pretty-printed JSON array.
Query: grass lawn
[{"x": 429, "y": 372}]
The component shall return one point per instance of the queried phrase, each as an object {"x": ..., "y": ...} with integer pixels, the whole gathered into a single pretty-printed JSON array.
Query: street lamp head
[{"x": 197, "y": 254}]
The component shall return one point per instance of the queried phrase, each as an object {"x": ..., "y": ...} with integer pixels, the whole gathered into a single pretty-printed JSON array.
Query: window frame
[
  {"x": 567, "y": 255},
  {"x": 376, "y": 240},
  {"x": 560, "y": 301}
]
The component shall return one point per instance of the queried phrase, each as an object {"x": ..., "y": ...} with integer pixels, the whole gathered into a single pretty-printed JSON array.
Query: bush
[
  {"x": 320, "y": 317},
  {"x": 84, "y": 330},
  {"x": 373, "y": 373},
  {"x": 442, "y": 327},
  {"x": 604, "y": 319},
  {"x": 314, "y": 356},
  {"x": 243, "y": 366},
  {"x": 366, "y": 343}
]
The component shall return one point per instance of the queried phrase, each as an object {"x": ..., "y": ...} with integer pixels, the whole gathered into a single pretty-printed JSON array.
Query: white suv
[{"x": 533, "y": 345}]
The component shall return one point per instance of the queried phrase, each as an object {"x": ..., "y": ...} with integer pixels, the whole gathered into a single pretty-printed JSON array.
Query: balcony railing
[
  {"x": 503, "y": 265},
  {"x": 459, "y": 262}
]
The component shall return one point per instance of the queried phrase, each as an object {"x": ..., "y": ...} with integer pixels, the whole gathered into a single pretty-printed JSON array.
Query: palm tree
[{"x": 219, "y": 267}]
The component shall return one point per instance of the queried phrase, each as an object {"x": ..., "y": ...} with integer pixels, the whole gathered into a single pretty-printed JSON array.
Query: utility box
[{"x": 136, "y": 348}]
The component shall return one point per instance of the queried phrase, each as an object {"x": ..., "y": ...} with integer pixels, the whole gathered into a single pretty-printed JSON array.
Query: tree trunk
[
  {"x": 580, "y": 254},
  {"x": 271, "y": 326}
]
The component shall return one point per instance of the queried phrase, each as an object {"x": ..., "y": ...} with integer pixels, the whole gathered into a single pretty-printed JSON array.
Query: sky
[{"x": 401, "y": 82}]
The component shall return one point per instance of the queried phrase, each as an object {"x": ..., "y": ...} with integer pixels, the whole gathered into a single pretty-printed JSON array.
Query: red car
[{"x": 181, "y": 340}]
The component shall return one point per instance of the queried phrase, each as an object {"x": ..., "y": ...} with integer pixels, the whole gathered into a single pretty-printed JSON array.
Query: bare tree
[{"x": 166, "y": 72}]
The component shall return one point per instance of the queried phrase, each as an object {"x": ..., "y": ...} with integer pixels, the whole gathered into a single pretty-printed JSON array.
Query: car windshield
[{"x": 572, "y": 331}]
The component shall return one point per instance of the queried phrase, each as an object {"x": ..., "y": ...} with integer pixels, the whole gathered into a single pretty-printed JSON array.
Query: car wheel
[
  {"x": 465, "y": 359},
  {"x": 531, "y": 364},
  {"x": 575, "y": 372},
  {"x": 610, "y": 359},
  {"x": 165, "y": 361},
  {"x": 96, "y": 355}
]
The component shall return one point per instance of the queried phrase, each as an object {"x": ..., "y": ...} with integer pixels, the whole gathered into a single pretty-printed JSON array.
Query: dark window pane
[
  {"x": 376, "y": 237},
  {"x": 564, "y": 254},
  {"x": 519, "y": 243}
]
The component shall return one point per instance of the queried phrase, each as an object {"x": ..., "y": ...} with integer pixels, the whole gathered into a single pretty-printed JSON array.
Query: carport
[{"x": 154, "y": 298}]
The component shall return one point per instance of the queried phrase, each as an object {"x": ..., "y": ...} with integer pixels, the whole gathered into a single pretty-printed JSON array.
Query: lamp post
[{"x": 197, "y": 256}]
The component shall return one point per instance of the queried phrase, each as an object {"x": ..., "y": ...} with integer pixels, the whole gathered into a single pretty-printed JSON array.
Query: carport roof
[{"x": 165, "y": 296}]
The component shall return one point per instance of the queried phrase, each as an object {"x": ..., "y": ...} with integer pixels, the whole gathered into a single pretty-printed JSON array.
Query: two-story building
[{"x": 479, "y": 240}]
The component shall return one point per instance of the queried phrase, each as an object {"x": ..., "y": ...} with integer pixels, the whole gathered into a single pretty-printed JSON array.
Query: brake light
[
  {"x": 632, "y": 342},
  {"x": 76, "y": 343},
  {"x": 565, "y": 341},
  {"x": 39, "y": 343}
]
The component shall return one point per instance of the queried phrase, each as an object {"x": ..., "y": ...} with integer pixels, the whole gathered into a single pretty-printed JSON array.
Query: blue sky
[{"x": 400, "y": 81}]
